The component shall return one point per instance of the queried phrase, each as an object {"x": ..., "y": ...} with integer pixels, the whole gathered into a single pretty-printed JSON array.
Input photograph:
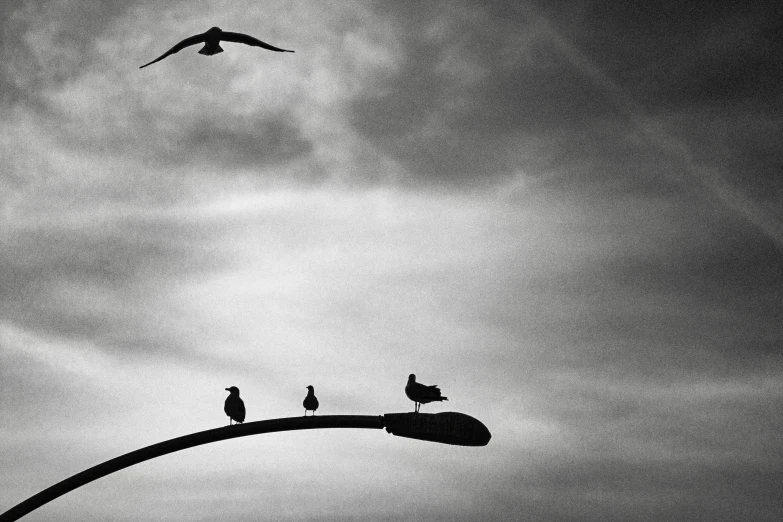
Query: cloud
[
  {"x": 456, "y": 190},
  {"x": 249, "y": 146},
  {"x": 92, "y": 118},
  {"x": 48, "y": 43},
  {"x": 97, "y": 105},
  {"x": 710, "y": 57},
  {"x": 437, "y": 114}
]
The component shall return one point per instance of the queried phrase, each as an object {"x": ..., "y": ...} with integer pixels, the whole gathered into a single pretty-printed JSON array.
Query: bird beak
[{"x": 227, "y": 389}]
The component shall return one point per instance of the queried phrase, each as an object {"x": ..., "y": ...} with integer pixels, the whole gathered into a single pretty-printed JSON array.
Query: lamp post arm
[{"x": 184, "y": 442}]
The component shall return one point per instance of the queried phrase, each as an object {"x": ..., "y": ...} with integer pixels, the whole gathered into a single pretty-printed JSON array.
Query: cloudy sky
[{"x": 570, "y": 218}]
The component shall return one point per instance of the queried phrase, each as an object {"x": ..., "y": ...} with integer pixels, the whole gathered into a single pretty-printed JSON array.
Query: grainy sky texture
[{"x": 567, "y": 215}]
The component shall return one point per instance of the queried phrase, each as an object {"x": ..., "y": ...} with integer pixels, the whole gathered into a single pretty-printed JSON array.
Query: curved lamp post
[{"x": 447, "y": 428}]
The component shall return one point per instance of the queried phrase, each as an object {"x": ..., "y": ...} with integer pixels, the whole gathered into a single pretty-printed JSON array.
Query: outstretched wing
[
  {"x": 187, "y": 42},
  {"x": 249, "y": 40}
]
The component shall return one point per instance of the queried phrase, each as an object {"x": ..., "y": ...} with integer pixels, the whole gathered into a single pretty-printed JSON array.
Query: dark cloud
[
  {"x": 743, "y": 142},
  {"x": 528, "y": 107},
  {"x": 460, "y": 110},
  {"x": 221, "y": 143},
  {"x": 676, "y": 55},
  {"x": 54, "y": 64},
  {"x": 706, "y": 75},
  {"x": 47, "y": 43},
  {"x": 245, "y": 144},
  {"x": 448, "y": 129}
]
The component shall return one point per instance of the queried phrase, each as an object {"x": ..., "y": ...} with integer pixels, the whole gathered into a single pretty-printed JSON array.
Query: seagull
[
  {"x": 234, "y": 407},
  {"x": 310, "y": 402},
  {"x": 211, "y": 40},
  {"x": 421, "y": 393}
]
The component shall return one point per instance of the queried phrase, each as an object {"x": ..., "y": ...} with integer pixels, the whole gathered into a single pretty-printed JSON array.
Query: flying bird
[
  {"x": 211, "y": 40},
  {"x": 310, "y": 402},
  {"x": 234, "y": 407},
  {"x": 421, "y": 393}
]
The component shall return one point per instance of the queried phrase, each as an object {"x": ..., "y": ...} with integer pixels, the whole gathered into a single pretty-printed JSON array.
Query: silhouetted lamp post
[{"x": 446, "y": 428}]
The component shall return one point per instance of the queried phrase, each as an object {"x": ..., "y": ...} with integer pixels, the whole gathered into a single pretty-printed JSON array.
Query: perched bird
[
  {"x": 421, "y": 393},
  {"x": 211, "y": 40},
  {"x": 310, "y": 402},
  {"x": 234, "y": 407}
]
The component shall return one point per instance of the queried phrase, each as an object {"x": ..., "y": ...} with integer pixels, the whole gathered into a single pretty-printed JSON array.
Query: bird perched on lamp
[
  {"x": 310, "y": 402},
  {"x": 421, "y": 393},
  {"x": 234, "y": 406},
  {"x": 211, "y": 40}
]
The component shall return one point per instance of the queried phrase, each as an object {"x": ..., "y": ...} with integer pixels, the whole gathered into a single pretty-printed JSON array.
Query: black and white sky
[{"x": 569, "y": 215}]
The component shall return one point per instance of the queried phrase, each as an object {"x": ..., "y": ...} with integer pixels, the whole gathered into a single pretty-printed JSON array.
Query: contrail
[{"x": 708, "y": 176}]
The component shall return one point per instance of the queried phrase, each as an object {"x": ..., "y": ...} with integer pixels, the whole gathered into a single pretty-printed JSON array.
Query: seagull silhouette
[
  {"x": 421, "y": 393},
  {"x": 310, "y": 402},
  {"x": 234, "y": 407},
  {"x": 211, "y": 40}
]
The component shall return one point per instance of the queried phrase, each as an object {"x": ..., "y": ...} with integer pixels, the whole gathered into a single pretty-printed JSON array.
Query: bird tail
[{"x": 209, "y": 52}]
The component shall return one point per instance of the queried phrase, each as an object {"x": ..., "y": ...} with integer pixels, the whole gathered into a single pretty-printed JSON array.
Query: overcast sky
[{"x": 567, "y": 215}]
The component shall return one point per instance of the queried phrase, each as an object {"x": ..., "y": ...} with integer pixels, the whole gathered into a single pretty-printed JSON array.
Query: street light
[{"x": 446, "y": 428}]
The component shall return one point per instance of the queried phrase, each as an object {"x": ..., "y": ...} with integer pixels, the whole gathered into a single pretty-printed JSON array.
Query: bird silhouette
[
  {"x": 310, "y": 402},
  {"x": 234, "y": 407},
  {"x": 211, "y": 40},
  {"x": 421, "y": 393}
]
